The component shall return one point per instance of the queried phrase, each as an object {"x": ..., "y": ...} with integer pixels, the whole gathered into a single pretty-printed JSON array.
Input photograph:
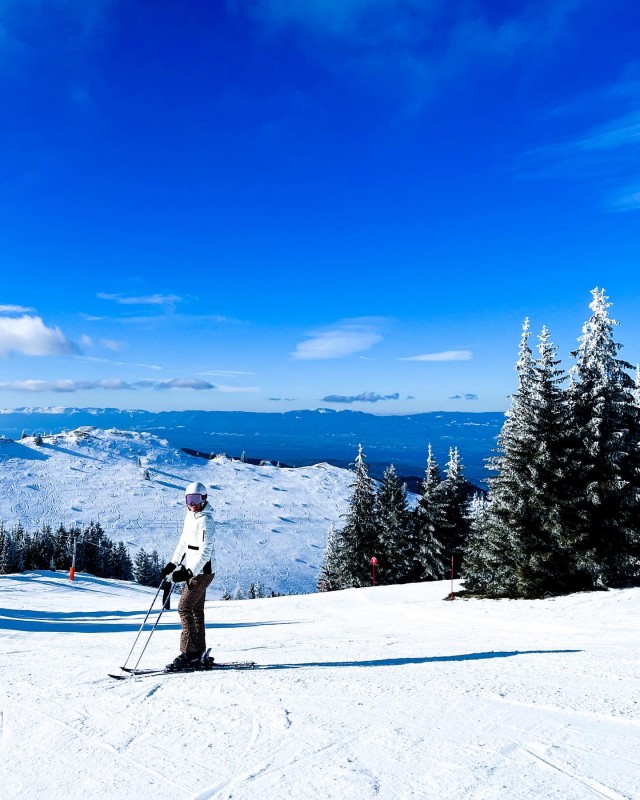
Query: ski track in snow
[{"x": 372, "y": 693}]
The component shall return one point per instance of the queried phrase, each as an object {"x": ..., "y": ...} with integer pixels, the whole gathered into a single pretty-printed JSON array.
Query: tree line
[
  {"x": 562, "y": 513},
  {"x": 408, "y": 544},
  {"x": 95, "y": 553}
]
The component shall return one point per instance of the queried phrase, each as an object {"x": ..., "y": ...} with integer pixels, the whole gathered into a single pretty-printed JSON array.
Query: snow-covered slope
[
  {"x": 386, "y": 692},
  {"x": 272, "y": 522}
]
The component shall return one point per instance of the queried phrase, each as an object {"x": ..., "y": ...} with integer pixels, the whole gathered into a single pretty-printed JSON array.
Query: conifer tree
[
  {"x": 20, "y": 542},
  {"x": 479, "y": 559},
  {"x": 394, "y": 543},
  {"x": 61, "y": 548},
  {"x": 8, "y": 552},
  {"x": 93, "y": 547},
  {"x": 454, "y": 497},
  {"x": 122, "y": 566},
  {"x": 142, "y": 568},
  {"x": 155, "y": 568},
  {"x": 548, "y": 540},
  {"x": 524, "y": 543},
  {"x": 359, "y": 534},
  {"x": 427, "y": 520},
  {"x": 238, "y": 593},
  {"x": 492, "y": 571},
  {"x": 330, "y": 577},
  {"x": 606, "y": 418}
]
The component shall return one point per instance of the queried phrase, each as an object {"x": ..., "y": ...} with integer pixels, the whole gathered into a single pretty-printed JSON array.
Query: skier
[{"x": 196, "y": 556}]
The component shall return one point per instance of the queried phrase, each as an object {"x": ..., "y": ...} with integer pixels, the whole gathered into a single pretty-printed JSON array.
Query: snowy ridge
[
  {"x": 384, "y": 692},
  {"x": 272, "y": 522}
]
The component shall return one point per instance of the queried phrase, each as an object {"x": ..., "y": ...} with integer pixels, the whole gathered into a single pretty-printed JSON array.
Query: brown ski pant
[{"x": 191, "y": 611}]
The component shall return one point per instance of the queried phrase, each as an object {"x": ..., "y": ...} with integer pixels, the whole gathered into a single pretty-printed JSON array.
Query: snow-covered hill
[
  {"x": 385, "y": 692},
  {"x": 272, "y": 522}
]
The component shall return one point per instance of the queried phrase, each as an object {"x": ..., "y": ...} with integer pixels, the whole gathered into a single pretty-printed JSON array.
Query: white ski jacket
[{"x": 196, "y": 542}]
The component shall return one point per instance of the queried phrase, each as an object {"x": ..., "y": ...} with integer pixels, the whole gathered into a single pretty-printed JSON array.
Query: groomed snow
[{"x": 386, "y": 692}]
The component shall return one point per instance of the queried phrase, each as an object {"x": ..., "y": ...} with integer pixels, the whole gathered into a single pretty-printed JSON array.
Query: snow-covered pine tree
[
  {"x": 427, "y": 521},
  {"x": 454, "y": 492},
  {"x": 492, "y": 570},
  {"x": 479, "y": 567},
  {"x": 21, "y": 544},
  {"x": 359, "y": 540},
  {"x": 606, "y": 435},
  {"x": 394, "y": 552},
  {"x": 548, "y": 541},
  {"x": 238, "y": 593},
  {"x": 256, "y": 590},
  {"x": 8, "y": 552},
  {"x": 330, "y": 577}
]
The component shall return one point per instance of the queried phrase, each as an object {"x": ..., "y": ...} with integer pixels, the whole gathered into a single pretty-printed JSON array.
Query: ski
[{"x": 148, "y": 673}]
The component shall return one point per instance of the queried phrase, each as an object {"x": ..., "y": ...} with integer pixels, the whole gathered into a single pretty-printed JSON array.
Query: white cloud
[
  {"x": 346, "y": 338},
  {"x": 236, "y": 389},
  {"x": 173, "y": 319},
  {"x": 363, "y": 397},
  {"x": 120, "y": 363},
  {"x": 114, "y": 345},
  {"x": 9, "y": 309},
  {"x": 30, "y": 336},
  {"x": 445, "y": 355},
  {"x": 115, "y": 384},
  {"x": 143, "y": 300},
  {"x": 226, "y": 373},
  {"x": 174, "y": 383},
  {"x": 64, "y": 385}
]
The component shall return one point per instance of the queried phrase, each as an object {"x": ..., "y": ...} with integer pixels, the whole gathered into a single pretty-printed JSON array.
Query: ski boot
[
  {"x": 206, "y": 661},
  {"x": 185, "y": 661}
]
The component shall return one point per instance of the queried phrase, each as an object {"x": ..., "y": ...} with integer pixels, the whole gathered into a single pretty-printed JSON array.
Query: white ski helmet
[{"x": 196, "y": 488}]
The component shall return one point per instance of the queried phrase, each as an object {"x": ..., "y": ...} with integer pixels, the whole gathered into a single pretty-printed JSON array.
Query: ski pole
[
  {"x": 144, "y": 621},
  {"x": 155, "y": 625}
]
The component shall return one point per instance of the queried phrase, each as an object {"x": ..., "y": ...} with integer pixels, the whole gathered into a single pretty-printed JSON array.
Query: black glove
[
  {"x": 168, "y": 569},
  {"x": 181, "y": 574}
]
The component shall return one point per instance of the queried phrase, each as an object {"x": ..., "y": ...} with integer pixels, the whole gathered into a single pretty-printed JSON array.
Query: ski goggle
[{"x": 194, "y": 499}]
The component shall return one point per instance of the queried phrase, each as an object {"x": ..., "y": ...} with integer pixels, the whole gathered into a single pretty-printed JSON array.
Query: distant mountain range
[{"x": 297, "y": 438}]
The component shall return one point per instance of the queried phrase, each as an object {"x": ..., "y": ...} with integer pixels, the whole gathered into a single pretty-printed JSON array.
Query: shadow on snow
[
  {"x": 97, "y": 621},
  {"x": 399, "y": 662},
  {"x": 10, "y": 449}
]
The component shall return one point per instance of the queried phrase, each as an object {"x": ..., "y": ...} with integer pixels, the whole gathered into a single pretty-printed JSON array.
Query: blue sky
[{"x": 276, "y": 204}]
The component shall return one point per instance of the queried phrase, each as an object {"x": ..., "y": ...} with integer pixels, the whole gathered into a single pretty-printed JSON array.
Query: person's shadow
[{"x": 398, "y": 662}]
